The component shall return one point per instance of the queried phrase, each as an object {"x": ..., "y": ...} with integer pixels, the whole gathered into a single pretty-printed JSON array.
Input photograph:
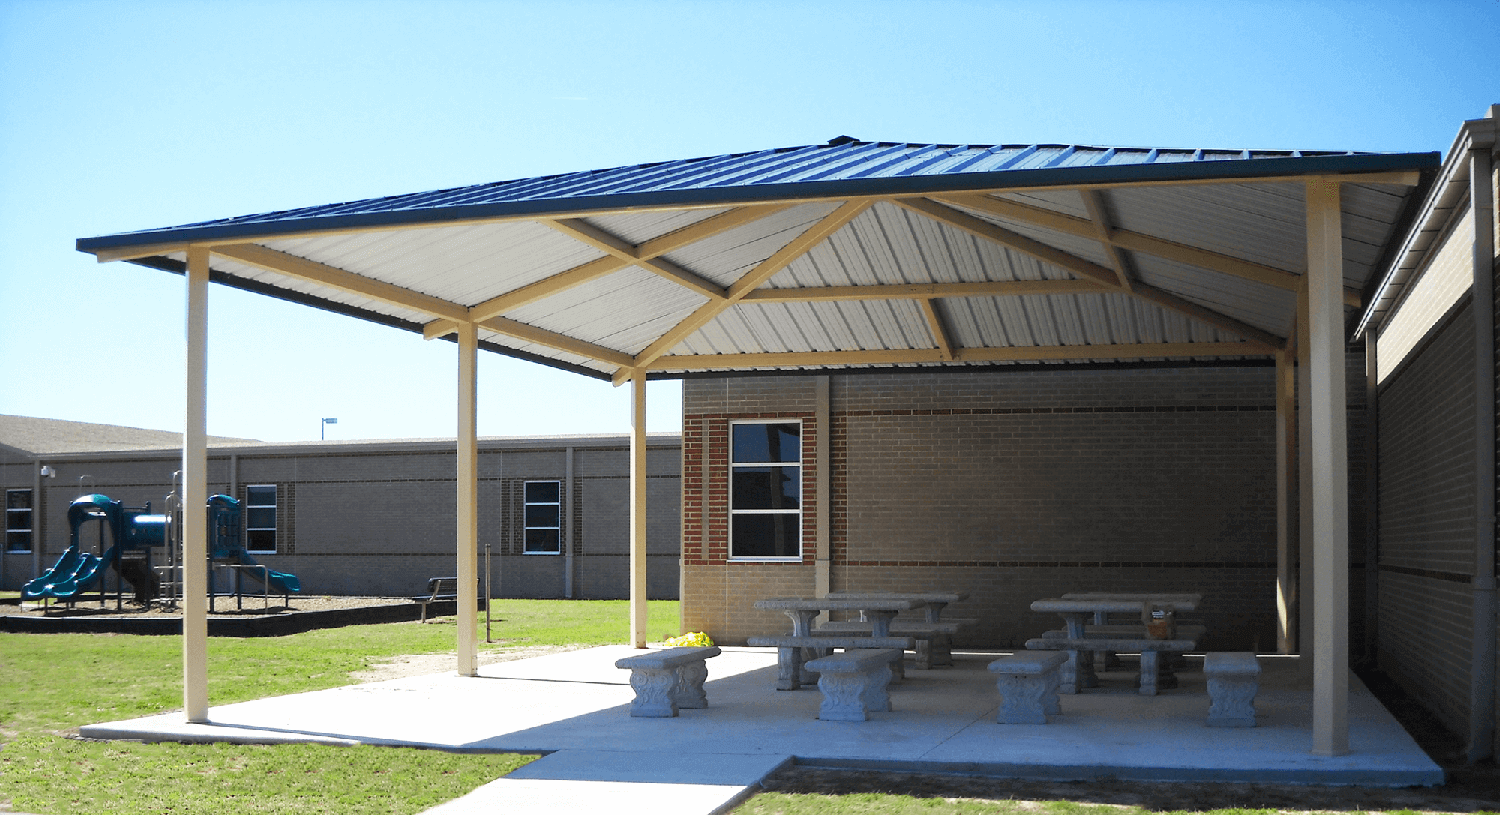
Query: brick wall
[
  {"x": 1427, "y": 520},
  {"x": 1012, "y": 486},
  {"x": 369, "y": 520}
]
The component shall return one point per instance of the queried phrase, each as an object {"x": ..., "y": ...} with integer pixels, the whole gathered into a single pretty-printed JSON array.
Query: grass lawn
[{"x": 55, "y": 682}]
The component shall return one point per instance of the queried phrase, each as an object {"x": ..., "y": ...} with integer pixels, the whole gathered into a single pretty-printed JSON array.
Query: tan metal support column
[
  {"x": 1330, "y": 464},
  {"x": 467, "y": 543},
  {"x": 638, "y": 608},
  {"x": 1304, "y": 566},
  {"x": 823, "y": 415},
  {"x": 195, "y": 494},
  {"x": 1286, "y": 522}
]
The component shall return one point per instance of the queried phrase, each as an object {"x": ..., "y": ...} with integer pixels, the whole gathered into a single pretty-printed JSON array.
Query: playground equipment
[{"x": 133, "y": 533}]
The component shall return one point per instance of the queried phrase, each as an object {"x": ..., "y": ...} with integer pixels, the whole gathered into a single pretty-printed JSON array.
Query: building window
[
  {"x": 765, "y": 490},
  {"x": 18, "y": 520},
  {"x": 260, "y": 518},
  {"x": 543, "y": 517}
]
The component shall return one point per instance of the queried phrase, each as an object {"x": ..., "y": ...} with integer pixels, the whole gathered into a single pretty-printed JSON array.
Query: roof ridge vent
[{"x": 839, "y": 141}]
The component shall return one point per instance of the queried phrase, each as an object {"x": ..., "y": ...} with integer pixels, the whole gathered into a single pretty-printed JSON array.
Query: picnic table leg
[
  {"x": 1080, "y": 663},
  {"x": 1150, "y": 663},
  {"x": 793, "y": 661}
]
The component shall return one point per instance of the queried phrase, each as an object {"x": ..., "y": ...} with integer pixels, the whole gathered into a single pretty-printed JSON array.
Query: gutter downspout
[
  {"x": 567, "y": 530},
  {"x": 1482, "y": 672}
]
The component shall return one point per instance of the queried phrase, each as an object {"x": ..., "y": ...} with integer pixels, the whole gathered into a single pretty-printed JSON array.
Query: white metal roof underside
[{"x": 1177, "y": 269}]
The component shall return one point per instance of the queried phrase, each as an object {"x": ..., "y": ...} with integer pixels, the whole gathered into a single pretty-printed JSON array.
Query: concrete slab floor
[{"x": 575, "y": 707}]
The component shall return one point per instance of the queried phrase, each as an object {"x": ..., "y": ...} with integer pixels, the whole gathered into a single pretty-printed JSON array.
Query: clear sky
[{"x": 118, "y": 116}]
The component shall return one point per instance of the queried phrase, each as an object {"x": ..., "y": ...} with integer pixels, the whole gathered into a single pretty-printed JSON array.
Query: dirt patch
[{"x": 1474, "y": 795}]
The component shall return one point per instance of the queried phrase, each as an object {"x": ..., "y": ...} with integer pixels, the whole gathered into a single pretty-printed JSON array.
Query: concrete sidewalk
[{"x": 574, "y": 706}]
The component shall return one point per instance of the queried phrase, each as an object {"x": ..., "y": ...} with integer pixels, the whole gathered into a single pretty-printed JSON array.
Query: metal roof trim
[{"x": 1218, "y": 169}]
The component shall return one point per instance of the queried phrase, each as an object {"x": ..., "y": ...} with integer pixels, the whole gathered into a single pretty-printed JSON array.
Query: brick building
[
  {"x": 1008, "y": 485},
  {"x": 364, "y": 517}
]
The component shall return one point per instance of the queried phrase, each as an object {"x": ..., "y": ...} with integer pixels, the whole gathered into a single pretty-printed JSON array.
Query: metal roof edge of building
[
  {"x": 1442, "y": 186},
  {"x": 1244, "y": 170},
  {"x": 658, "y": 440}
]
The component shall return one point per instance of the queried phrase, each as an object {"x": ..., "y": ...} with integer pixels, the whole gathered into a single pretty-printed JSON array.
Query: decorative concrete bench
[
  {"x": 1233, "y": 681},
  {"x": 667, "y": 680},
  {"x": 934, "y": 640},
  {"x": 438, "y": 590},
  {"x": 854, "y": 683},
  {"x": 1150, "y": 651},
  {"x": 1173, "y": 661},
  {"x": 793, "y": 672},
  {"x": 1028, "y": 686}
]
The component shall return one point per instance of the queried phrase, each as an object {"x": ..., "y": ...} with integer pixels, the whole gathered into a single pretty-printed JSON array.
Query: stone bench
[
  {"x": 667, "y": 680},
  {"x": 792, "y": 671},
  {"x": 934, "y": 640},
  {"x": 1233, "y": 681},
  {"x": 854, "y": 682},
  {"x": 1150, "y": 651},
  {"x": 1028, "y": 686},
  {"x": 1185, "y": 631}
]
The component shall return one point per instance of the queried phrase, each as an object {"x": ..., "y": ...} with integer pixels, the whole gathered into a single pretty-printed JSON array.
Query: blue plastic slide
[
  {"x": 74, "y": 573},
  {"x": 279, "y": 582}
]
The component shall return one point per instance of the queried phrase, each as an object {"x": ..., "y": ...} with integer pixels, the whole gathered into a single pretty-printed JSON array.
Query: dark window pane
[
  {"x": 767, "y": 487},
  {"x": 541, "y": 492},
  {"x": 18, "y": 499},
  {"x": 541, "y": 515},
  {"x": 543, "y": 540},
  {"x": 18, "y": 541},
  {"x": 766, "y": 535},
  {"x": 767, "y": 443},
  {"x": 260, "y": 496},
  {"x": 260, "y": 518},
  {"x": 260, "y": 540},
  {"x": 18, "y": 519}
]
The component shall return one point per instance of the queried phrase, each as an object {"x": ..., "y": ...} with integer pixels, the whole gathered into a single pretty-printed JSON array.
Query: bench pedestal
[
  {"x": 1028, "y": 684},
  {"x": 1233, "y": 681},
  {"x": 854, "y": 683}
]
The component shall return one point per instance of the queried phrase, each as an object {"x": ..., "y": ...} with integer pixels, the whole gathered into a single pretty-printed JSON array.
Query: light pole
[{"x": 324, "y": 426}]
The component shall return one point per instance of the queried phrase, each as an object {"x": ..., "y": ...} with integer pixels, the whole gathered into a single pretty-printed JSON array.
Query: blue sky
[{"x": 118, "y": 116}]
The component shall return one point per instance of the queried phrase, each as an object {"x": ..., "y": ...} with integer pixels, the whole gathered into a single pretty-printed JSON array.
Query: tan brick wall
[{"x": 1011, "y": 486}]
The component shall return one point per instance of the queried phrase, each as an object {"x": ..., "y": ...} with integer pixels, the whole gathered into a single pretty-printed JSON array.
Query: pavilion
[{"x": 855, "y": 255}]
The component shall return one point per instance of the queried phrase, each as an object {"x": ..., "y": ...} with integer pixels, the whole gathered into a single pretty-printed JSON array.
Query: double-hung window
[
  {"x": 765, "y": 490},
  {"x": 543, "y": 511},
  {"x": 18, "y": 520},
  {"x": 260, "y": 518}
]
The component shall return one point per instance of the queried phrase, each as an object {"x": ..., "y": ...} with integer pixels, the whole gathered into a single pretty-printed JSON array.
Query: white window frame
[
  {"x": 275, "y": 533},
  {"x": 526, "y": 526},
  {"x": 797, "y": 558},
  {"x": 29, "y": 529}
]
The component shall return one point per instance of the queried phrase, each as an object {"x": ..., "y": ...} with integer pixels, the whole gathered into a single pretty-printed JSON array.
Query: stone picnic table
[
  {"x": 878, "y": 610},
  {"x": 1079, "y": 609},
  {"x": 934, "y": 638}
]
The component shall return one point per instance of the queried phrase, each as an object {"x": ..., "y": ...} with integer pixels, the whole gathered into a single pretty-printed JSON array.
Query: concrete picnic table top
[
  {"x": 935, "y": 601},
  {"x": 802, "y": 609}
]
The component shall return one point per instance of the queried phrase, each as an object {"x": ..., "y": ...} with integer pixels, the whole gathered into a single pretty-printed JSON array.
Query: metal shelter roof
[{"x": 845, "y": 255}]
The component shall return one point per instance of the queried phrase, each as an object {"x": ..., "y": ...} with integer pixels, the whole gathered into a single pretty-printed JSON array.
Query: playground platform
[{"x": 574, "y": 708}]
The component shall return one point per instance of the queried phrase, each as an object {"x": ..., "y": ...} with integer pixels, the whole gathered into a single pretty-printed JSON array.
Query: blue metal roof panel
[{"x": 761, "y": 174}]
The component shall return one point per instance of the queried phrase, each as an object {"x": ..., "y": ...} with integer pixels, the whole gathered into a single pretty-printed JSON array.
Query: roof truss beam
[
  {"x": 750, "y": 281},
  {"x": 324, "y": 275},
  {"x": 741, "y": 362},
  {"x": 923, "y": 291},
  {"x": 1133, "y": 241},
  {"x": 1087, "y": 269}
]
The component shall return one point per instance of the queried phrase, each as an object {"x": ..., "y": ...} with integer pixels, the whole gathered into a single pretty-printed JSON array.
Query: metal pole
[{"x": 487, "y": 577}]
